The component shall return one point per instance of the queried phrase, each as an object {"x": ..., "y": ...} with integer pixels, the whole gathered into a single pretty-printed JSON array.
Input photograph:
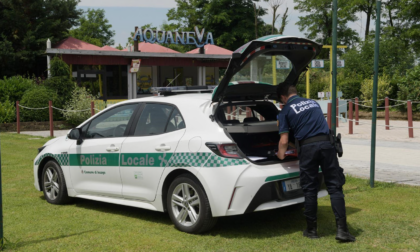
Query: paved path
[{"x": 397, "y": 155}]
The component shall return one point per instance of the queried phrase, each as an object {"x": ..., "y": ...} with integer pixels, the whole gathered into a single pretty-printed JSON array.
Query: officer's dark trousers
[{"x": 311, "y": 157}]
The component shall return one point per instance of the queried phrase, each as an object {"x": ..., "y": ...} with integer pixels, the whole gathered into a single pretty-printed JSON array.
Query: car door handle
[
  {"x": 112, "y": 148},
  {"x": 163, "y": 147}
]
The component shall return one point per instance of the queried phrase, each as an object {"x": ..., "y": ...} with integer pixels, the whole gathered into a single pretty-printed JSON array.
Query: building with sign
[{"x": 128, "y": 74}]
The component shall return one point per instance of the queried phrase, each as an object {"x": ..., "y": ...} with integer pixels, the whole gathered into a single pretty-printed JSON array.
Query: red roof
[
  {"x": 108, "y": 48},
  {"x": 76, "y": 44},
  {"x": 154, "y": 48},
  {"x": 213, "y": 49}
]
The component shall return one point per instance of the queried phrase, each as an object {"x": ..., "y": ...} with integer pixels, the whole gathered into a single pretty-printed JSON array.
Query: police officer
[{"x": 311, "y": 132}]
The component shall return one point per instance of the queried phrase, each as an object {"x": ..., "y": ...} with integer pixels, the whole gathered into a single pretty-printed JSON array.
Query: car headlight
[{"x": 40, "y": 149}]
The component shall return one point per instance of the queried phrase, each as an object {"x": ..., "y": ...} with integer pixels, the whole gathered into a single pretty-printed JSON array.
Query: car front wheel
[
  {"x": 188, "y": 206},
  {"x": 54, "y": 184}
]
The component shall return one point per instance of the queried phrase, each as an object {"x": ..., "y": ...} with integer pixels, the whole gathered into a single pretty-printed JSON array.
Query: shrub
[
  {"x": 62, "y": 85},
  {"x": 80, "y": 100},
  {"x": 319, "y": 82},
  {"x": 59, "y": 68},
  {"x": 38, "y": 98},
  {"x": 384, "y": 89},
  {"x": 350, "y": 83},
  {"x": 7, "y": 111},
  {"x": 409, "y": 87},
  {"x": 14, "y": 87}
]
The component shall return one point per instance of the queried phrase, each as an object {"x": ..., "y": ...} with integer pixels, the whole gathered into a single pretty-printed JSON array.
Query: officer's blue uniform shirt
[{"x": 304, "y": 116}]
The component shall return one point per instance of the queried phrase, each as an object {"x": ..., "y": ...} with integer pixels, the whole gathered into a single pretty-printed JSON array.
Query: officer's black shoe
[
  {"x": 311, "y": 229},
  {"x": 343, "y": 233}
]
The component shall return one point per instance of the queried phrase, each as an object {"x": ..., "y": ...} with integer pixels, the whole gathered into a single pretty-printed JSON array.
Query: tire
[
  {"x": 54, "y": 184},
  {"x": 183, "y": 208}
]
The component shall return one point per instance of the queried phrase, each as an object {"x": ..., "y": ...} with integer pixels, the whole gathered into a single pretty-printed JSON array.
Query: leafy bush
[
  {"x": 62, "y": 85},
  {"x": 384, "y": 89},
  {"x": 59, "y": 68},
  {"x": 7, "y": 111},
  {"x": 319, "y": 82},
  {"x": 350, "y": 84},
  {"x": 91, "y": 86},
  {"x": 409, "y": 87},
  {"x": 14, "y": 87},
  {"x": 38, "y": 98},
  {"x": 80, "y": 100}
]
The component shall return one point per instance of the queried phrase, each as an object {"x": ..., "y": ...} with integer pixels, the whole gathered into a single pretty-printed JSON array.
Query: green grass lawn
[{"x": 384, "y": 218}]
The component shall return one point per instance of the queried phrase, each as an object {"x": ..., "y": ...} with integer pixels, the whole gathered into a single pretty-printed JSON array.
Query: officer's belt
[{"x": 315, "y": 139}]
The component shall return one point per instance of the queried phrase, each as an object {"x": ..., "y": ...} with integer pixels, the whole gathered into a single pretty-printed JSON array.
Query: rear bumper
[
  {"x": 259, "y": 188},
  {"x": 274, "y": 194}
]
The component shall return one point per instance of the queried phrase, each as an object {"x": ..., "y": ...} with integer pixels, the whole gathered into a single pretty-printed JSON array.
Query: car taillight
[{"x": 229, "y": 150}]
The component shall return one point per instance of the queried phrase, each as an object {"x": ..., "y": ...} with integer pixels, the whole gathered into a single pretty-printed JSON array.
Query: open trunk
[
  {"x": 251, "y": 80},
  {"x": 253, "y": 127}
]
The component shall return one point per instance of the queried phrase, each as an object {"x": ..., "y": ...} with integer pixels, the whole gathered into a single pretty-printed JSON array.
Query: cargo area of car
[{"x": 253, "y": 127}]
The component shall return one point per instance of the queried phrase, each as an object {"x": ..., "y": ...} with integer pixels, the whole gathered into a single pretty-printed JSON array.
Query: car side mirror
[{"x": 76, "y": 134}]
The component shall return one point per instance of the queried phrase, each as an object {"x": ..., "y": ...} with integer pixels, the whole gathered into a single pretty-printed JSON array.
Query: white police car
[{"x": 196, "y": 156}]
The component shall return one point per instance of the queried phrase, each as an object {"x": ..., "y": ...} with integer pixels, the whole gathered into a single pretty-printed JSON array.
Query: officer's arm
[{"x": 283, "y": 144}]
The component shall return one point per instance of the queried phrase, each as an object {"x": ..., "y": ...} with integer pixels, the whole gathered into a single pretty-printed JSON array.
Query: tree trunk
[
  {"x": 256, "y": 20},
  {"x": 369, "y": 15},
  {"x": 283, "y": 21}
]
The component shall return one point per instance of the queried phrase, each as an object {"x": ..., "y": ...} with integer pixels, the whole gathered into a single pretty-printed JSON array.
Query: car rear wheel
[
  {"x": 188, "y": 206},
  {"x": 54, "y": 184}
]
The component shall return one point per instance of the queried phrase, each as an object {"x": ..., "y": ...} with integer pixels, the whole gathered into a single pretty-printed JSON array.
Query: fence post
[
  {"x": 351, "y": 117},
  {"x": 17, "y": 117},
  {"x": 51, "y": 119},
  {"x": 228, "y": 112},
  {"x": 410, "y": 120},
  {"x": 92, "y": 108},
  {"x": 329, "y": 115},
  {"x": 386, "y": 113},
  {"x": 336, "y": 112},
  {"x": 356, "y": 105}
]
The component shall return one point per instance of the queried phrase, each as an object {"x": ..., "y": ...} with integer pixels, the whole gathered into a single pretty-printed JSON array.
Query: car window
[
  {"x": 176, "y": 121},
  {"x": 111, "y": 123},
  {"x": 153, "y": 119},
  {"x": 241, "y": 114}
]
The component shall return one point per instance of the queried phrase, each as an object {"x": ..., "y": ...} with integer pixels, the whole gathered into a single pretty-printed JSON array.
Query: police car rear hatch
[{"x": 259, "y": 64}]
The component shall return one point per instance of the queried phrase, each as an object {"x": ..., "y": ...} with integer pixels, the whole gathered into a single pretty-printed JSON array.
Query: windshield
[{"x": 261, "y": 69}]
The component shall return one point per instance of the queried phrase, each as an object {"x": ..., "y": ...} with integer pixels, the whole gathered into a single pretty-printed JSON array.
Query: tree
[
  {"x": 283, "y": 21},
  {"x": 94, "y": 28},
  {"x": 188, "y": 14},
  {"x": 232, "y": 22},
  {"x": 258, "y": 11},
  {"x": 318, "y": 21},
  {"x": 368, "y": 7},
  {"x": 119, "y": 47},
  {"x": 403, "y": 21},
  {"x": 25, "y": 27},
  {"x": 275, "y": 4}
]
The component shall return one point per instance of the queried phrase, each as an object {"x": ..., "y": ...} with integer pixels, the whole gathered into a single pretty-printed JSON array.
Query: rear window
[{"x": 246, "y": 113}]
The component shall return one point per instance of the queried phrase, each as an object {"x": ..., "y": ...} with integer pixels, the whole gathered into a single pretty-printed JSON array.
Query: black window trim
[{"x": 131, "y": 132}]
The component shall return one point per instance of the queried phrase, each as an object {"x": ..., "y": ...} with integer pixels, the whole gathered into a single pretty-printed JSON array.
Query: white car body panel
[{"x": 140, "y": 180}]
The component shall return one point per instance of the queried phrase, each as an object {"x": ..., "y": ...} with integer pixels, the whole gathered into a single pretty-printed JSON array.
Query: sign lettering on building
[{"x": 196, "y": 38}]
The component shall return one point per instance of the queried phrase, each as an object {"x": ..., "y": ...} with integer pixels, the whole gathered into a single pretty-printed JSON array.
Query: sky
[{"x": 124, "y": 15}]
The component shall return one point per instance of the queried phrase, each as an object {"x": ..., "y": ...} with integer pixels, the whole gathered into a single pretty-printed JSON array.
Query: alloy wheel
[
  {"x": 51, "y": 185},
  {"x": 185, "y": 204}
]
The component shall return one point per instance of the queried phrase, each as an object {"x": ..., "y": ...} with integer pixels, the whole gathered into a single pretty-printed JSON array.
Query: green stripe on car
[{"x": 181, "y": 159}]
